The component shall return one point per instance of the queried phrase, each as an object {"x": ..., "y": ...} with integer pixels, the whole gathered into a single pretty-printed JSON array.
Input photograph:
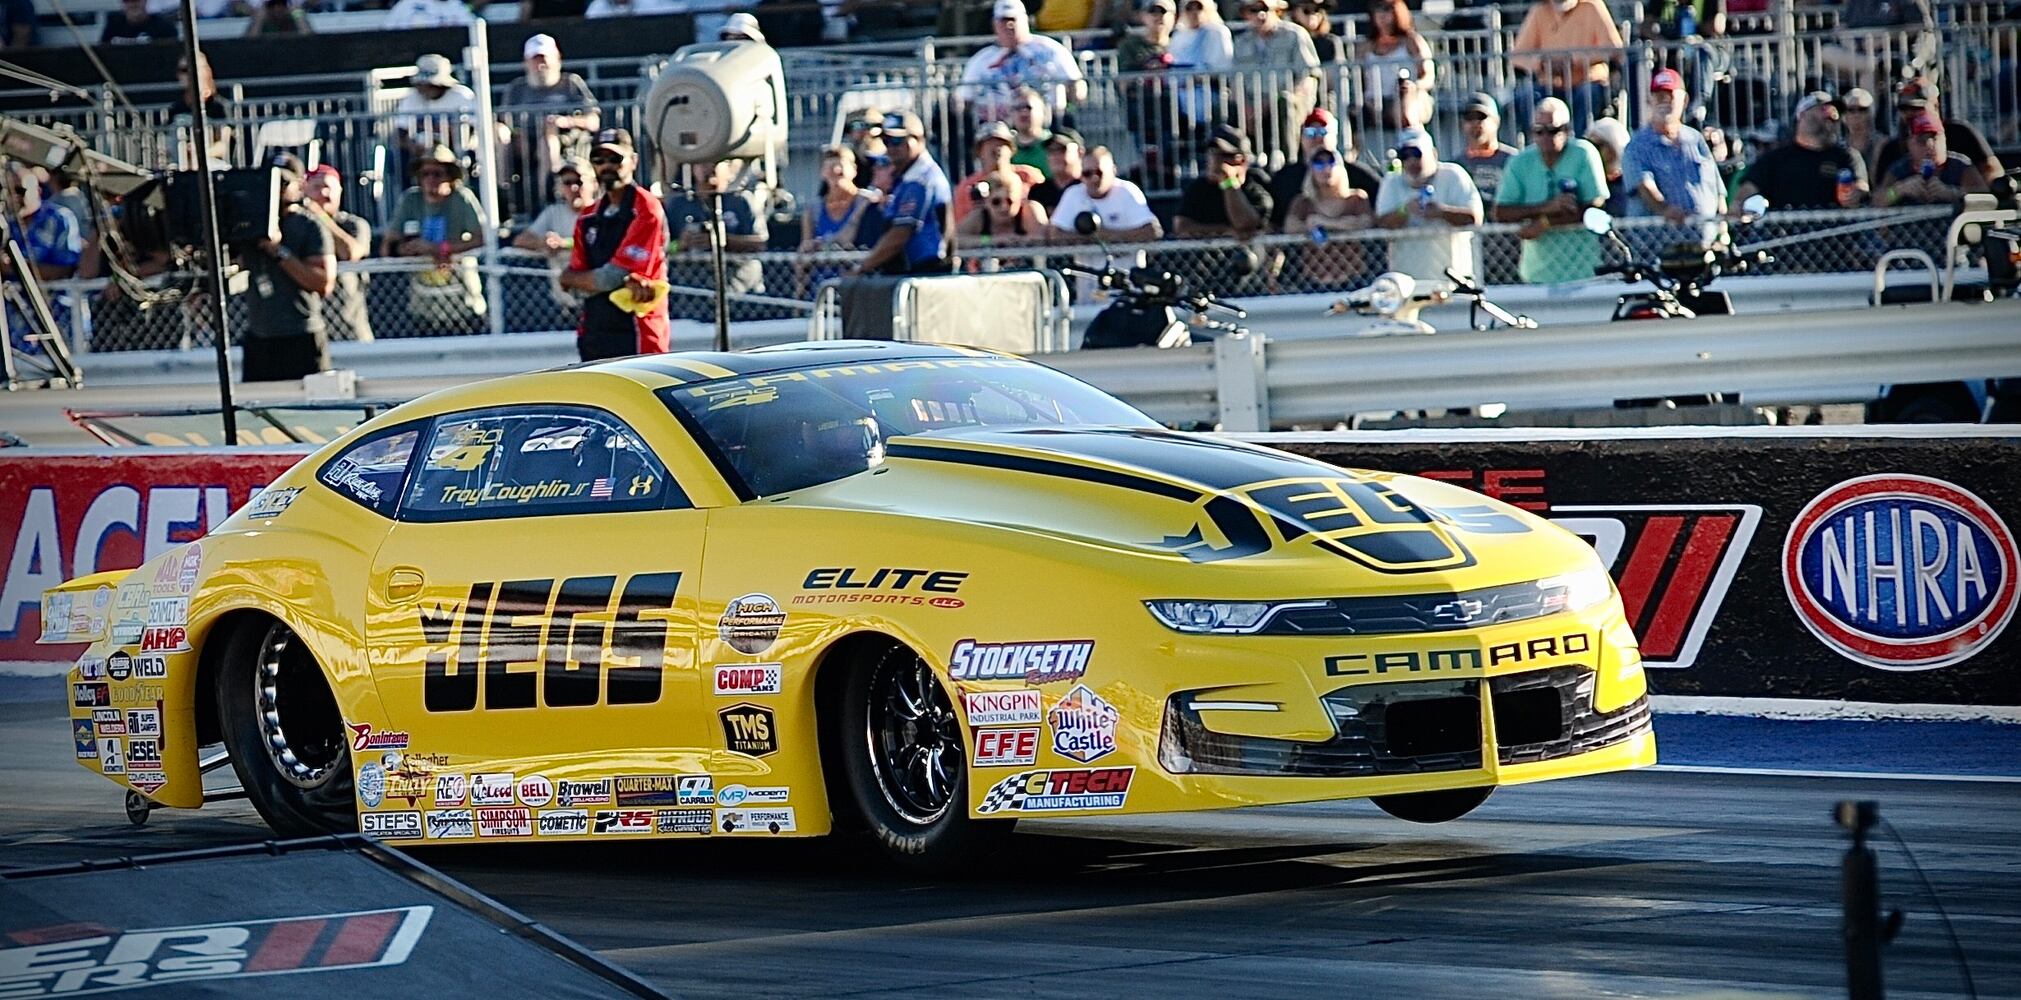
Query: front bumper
[{"x": 1417, "y": 727}]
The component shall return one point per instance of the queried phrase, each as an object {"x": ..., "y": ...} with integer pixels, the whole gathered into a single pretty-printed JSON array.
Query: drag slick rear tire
[
  {"x": 285, "y": 733},
  {"x": 906, "y": 765},
  {"x": 1434, "y": 807}
]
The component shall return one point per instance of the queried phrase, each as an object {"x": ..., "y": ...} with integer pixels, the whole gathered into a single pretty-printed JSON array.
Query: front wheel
[
  {"x": 906, "y": 764},
  {"x": 1433, "y": 807},
  {"x": 285, "y": 733}
]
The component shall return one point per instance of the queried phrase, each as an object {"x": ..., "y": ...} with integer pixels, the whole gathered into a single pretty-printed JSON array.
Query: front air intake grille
[
  {"x": 1547, "y": 714},
  {"x": 1391, "y": 615},
  {"x": 1416, "y": 727}
]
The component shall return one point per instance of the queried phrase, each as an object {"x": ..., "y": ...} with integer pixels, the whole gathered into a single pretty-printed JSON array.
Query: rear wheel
[
  {"x": 906, "y": 765},
  {"x": 1434, "y": 807},
  {"x": 285, "y": 733}
]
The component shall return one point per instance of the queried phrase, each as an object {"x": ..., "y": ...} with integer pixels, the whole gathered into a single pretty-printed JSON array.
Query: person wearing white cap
[
  {"x": 550, "y": 116},
  {"x": 1428, "y": 194},
  {"x": 990, "y": 81},
  {"x": 437, "y": 111},
  {"x": 741, "y": 27}
]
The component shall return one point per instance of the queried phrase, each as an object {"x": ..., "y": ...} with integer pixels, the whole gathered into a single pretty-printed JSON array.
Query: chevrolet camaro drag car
[{"x": 913, "y": 589}]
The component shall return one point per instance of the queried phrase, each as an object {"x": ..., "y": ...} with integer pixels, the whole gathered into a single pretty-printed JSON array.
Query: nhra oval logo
[{"x": 1901, "y": 572}]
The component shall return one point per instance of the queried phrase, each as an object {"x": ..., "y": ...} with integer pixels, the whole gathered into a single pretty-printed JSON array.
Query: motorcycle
[
  {"x": 1146, "y": 304},
  {"x": 1395, "y": 300},
  {"x": 1681, "y": 279}
]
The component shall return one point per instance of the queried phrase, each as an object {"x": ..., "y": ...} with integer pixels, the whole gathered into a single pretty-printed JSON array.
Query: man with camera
[{"x": 291, "y": 270}]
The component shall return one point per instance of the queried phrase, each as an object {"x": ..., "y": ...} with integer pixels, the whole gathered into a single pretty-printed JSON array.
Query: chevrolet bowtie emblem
[{"x": 1460, "y": 611}]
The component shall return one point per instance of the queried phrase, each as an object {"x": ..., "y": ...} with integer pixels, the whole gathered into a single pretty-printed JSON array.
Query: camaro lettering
[
  {"x": 536, "y": 642},
  {"x": 1457, "y": 661}
]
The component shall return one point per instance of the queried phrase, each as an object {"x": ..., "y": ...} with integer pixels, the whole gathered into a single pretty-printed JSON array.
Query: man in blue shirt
[
  {"x": 50, "y": 239},
  {"x": 916, "y": 242},
  {"x": 1668, "y": 165}
]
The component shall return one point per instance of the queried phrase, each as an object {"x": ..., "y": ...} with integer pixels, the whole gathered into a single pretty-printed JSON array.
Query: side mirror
[
  {"x": 1754, "y": 207},
  {"x": 1598, "y": 221},
  {"x": 1087, "y": 223}
]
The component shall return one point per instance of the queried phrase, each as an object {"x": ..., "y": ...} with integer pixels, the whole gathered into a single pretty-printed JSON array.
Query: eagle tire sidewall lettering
[{"x": 504, "y": 642}]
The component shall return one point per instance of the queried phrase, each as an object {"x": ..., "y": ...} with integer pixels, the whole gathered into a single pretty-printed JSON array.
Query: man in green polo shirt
[{"x": 1548, "y": 187}]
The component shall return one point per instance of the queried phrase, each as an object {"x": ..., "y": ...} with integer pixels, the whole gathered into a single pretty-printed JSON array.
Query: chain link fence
[{"x": 404, "y": 298}]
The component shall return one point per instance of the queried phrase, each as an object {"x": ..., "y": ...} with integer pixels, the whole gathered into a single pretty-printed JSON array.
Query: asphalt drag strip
[{"x": 1657, "y": 884}]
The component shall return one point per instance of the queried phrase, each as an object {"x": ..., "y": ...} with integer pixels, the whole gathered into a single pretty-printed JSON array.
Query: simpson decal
[{"x": 505, "y": 821}]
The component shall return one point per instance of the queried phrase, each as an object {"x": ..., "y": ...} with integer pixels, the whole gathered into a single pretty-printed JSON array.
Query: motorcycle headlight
[
  {"x": 1576, "y": 591},
  {"x": 1389, "y": 291},
  {"x": 1202, "y": 617}
]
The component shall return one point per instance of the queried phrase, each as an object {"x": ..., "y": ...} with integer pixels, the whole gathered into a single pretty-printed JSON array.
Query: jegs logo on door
[
  {"x": 1672, "y": 564},
  {"x": 83, "y": 958},
  {"x": 591, "y": 649}
]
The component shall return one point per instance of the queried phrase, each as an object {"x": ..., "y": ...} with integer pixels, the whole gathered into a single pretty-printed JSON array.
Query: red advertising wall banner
[{"x": 65, "y": 514}]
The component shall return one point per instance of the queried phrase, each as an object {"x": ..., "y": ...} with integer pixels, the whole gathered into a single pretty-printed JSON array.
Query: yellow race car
[{"x": 917, "y": 590}]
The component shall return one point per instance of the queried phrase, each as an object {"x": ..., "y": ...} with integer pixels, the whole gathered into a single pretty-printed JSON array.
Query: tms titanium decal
[
  {"x": 82, "y": 959},
  {"x": 1672, "y": 564},
  {"x": 1901, "y": 572},
  {"x": 1452, "y": 661},
  {"x": 592, "y": 651},
  {"x": 750, "y": 729}
]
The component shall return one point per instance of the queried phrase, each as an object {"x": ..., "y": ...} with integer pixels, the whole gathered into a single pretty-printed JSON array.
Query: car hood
[{"x": 1211, "y": 501}]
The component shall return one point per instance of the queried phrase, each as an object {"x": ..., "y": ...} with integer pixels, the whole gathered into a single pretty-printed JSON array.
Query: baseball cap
[
  {"x": 1146, "y": 6},
  {"x": 541, "y": 45},
  {"x": 1609, "y": 131},
  {"x": 1857, "y": 99},
  {"x": 902, "y": 124},
  {"x": 580, "y": 168},
  {"x": 1012, "y": 10},
  {"x": 1666, "y": 79},
  {"x": 1415, "y": 138},
  {"x": 741, "y": 25},
  {"x": 1815, "y": 99},
  {"x": 615, "y": 138},
  {"x": 1926, "y": 123},
  {"x": 1917, "y": 93},
  {"x": 1320, "y": 117},
  {"x": 326, "y": 170},
  {"x": 1230, "y": 141},
  {"x": 1063, "y": 137},
  {"x": 995, "y": 130},
  {"x": 1482, "y": 102}
]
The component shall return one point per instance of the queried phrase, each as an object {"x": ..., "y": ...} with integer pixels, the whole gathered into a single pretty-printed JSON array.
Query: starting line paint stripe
[
  {"x": 1808, "y": 709},
  {"x": 1775, "y": 772}
]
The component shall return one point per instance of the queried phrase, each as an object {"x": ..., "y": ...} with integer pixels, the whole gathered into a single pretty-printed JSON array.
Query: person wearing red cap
[
  {"x": 1321, "y": 131},
  {"x": 620, "y": 242},
  {"x": 1668, "y": 167},
  {"x": 351, "y": 239},
  {"x": 1931, "y": 174},
  {"x": 1911, "y": 100}
]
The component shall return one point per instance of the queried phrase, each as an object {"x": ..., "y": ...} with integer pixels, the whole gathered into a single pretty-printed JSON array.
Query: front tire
[
  {"x": 285, "y": 732},
  {"x": 1434, "y": 807},
  {"x": 906, "y": 764}
]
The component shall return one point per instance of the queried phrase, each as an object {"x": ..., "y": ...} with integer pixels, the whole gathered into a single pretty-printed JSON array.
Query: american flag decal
[{"x": 601, "y": 489}]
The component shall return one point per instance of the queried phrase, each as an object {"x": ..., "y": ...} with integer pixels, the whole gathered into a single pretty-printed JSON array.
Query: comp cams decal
[
  {"x": 1031, "y": 662},
  {"x": 590, "y": 651},
  {"x": 746, "y": 678},
  {"x": 82, "y": 959},
  {"x": 1059, "y": 790},
  {"x": 1901, "y": 572}
]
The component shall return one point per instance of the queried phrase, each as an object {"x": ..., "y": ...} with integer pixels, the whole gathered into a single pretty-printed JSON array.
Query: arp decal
[
  {"x": 584, "y": 654},
  {"x": 112, "y": 960},
  {"x": 1672, "y": 564},
  {"x": 1901, "y": 572}
]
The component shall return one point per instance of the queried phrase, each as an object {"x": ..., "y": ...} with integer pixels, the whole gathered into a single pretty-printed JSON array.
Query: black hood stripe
[{"x": 1045, "y": 467}]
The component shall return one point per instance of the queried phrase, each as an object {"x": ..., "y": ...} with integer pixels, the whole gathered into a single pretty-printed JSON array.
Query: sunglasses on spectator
[
  {"x": 1550, "y": 129},
  {"x": 999, "y": 203},
  {"x": 1256, "y": 8},
  {"x": 1410, "y": 153},
  {"x": 1316, "y": 131},
  {"x": 1324, "y": 162},
  {"x": 1092, "y": 173},
  {"x": 880, "y": 161},
  {"x": 570, "y": 181},
  {"x": 599, "y": 161},
  {"x": 1475, "y": 116},
  {"x": 861, "y": 126}
]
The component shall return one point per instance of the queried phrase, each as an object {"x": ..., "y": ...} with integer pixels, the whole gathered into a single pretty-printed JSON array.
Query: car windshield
[{"x": 788, "y": 430}]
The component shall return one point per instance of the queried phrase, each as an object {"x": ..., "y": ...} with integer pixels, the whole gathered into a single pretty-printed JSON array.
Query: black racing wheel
[
  {"x": 285, "y": 733},
  {"x": 906, "y": 764},
  {"x": 1433, "y": 807}
]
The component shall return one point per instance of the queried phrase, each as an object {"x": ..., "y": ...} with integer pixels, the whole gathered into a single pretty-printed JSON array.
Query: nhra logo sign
[
  {"x": 86, "y": 958},
  {"x": 1901, "y": 572}
]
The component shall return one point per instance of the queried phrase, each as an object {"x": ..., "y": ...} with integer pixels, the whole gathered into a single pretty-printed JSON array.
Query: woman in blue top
[{"x": 841, "y": 219}]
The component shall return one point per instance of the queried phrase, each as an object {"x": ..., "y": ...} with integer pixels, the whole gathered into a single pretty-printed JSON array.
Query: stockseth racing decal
[
  {"x": 1059, "y": 791},
  {"x": 1672, "y": 564},
  {"x": 1901, "y": 572},
  {"x": 107, "y": 960},
  {"x": 1031, "y": 662}
]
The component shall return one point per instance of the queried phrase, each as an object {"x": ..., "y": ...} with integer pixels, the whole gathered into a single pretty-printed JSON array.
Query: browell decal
[
  {"x": 1901, "y": 572},
  {"x": 82, "y": 959},
  {"x": 1672, "y": 564},
  {"x": 590, "y": 650}
]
